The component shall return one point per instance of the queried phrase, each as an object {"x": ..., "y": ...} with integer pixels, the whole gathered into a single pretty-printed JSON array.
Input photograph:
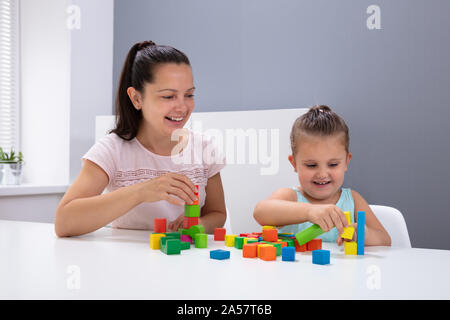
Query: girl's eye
[
  {"x": 190, "y": 96},
  {"x": 310, "y": 165},
  {"x": 168, "y": 97},
  {"x": 333, "y": 164}
]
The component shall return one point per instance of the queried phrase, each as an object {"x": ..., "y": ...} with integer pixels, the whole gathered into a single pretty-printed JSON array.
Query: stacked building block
[
  {"x": 361, "y": 232},
  {"x": 352, "y": 247}
]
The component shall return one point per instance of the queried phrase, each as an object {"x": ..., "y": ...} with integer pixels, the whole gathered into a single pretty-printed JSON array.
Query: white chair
[{"x": 394, "y": 223}]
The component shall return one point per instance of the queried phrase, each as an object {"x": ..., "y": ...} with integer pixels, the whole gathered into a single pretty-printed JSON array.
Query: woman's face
[{"x": 168, "y": 102}]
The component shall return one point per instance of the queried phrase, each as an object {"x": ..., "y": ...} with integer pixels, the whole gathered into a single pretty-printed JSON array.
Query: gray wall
[{"x": 390, "y": 85}]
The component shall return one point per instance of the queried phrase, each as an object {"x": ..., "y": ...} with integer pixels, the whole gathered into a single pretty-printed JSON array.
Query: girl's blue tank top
[{"x": 345, "y": 203}]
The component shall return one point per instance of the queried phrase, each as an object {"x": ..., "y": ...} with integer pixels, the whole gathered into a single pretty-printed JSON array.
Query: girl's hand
[
  {"x": 340, "y": 240},
  {"x": 166, "y": 187},
  {"x": 177, "y": 223},
  {"x": 327, "y": 216}
]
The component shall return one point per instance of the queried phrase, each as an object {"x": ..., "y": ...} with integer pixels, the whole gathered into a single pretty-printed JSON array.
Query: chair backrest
[{"x": 394, "y": 223}]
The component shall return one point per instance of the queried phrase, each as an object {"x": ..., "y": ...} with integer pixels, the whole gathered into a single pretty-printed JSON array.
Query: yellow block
[
  {"x": 229, "y": 240},
  {"x": 348, "y": 216},
  {"x": 261, "y": 245},
  {"x": 268, "y": 227},
  {"x": 155, "y": 240},
  {"x": 350, "y": 247},
  {"x": 348, "y": 233}
]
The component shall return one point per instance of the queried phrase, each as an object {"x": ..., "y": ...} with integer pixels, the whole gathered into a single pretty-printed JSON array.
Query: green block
[
  {"x": 290, "y": 242},
  {"x": 308, "y": 234},
  {"x": 173, "y": 235},
  {"x": 252, "y": 241},
  {"x": 170, "y": 246},
  {"x": 201, "y": 240},
  {"x": 278, "y": 246},
  {"x": 239, "y": 242},
  {"x": 192, "y": 211},
  {"x": 192, "y": 231},
  {"x": 183, "y": 231},
  {"x": 185, "y": 245}
]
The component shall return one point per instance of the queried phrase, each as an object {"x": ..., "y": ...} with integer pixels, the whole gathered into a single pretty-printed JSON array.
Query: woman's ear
[
  {"x": 135, "y": 97},
  {"x": 292, "y": 161}
]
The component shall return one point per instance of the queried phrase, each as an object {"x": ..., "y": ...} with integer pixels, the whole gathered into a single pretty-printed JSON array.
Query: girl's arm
[
  {"x": 375, "y": 234},
  {"x": 214, "y": 212},
  {"x": 281, "y": 208}
]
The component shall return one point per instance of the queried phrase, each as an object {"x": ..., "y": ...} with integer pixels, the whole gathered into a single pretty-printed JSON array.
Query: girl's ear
[
  {"x": 135, "y": 97},
  {"x": 349, "y": 156},
  {"x": 292, "y": 161}
]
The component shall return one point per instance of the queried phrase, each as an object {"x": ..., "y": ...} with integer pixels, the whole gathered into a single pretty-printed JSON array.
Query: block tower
[{"x": 191, "y": 226}]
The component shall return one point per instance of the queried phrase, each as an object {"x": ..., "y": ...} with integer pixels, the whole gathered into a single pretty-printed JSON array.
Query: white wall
[{"x": 45, "y": 94}]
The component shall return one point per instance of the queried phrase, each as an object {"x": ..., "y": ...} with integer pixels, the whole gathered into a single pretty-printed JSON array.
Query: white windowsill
[{"x": 31, "y": 189}]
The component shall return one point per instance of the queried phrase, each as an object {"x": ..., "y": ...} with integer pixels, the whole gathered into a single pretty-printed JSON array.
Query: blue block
[
  {"x": 321, "y": 257},
  {"x": 288, "y": 254},
  {"x": 219, "y": 254},
  {"x": 360, "y": 233}
]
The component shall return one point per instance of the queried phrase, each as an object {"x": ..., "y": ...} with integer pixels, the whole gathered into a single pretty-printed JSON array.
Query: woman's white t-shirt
[{"x": 129, "y": 162}]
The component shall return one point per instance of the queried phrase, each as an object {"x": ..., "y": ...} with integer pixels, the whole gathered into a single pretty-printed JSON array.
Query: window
[{"x": 9, "y": 75}]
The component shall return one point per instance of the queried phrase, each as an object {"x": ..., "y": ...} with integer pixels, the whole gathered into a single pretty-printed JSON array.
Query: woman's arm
[
  {"x": 375, "y": 234},
  {"x": 214, "y": 213}
]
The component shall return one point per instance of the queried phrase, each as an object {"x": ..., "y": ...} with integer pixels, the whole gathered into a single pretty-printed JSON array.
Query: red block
[
  {"x": 189, "y": 222},
  {"x": 299, "y": 248},
  {"x": 315, "y": 244},
  {"x": 159, "y": 225},
  {"x": 219, "y": 234},
  {"x": 270, "y": 235},
  {"x": 196, "y": 193}
]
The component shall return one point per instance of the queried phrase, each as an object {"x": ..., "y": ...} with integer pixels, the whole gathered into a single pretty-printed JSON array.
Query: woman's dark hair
[
  {"x": 139, "y": 69},
  {"x": 319, "y": 120}
]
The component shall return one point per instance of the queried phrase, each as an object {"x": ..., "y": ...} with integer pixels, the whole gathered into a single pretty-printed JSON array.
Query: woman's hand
[
  {"x": 168, "y": 187},
  {"x": 176, "y": 224},
  {"x": 327, "y": 216}
]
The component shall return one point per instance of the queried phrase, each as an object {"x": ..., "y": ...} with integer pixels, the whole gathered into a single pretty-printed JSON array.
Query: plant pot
[{"x": 11, "y": 173}]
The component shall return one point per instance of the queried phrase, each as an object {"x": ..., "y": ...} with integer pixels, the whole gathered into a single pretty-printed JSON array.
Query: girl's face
[
  {"x": 320, "y": 163},
  {"x": 168, "y": 102}
]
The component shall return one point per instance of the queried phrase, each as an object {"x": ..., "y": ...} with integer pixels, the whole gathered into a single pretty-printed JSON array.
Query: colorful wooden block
[
  {"x": 360, "y": 236},
  {"x": 192, "y": 231},
  {"x": 173, "y": 235},
  {"x": 300, "y": 248},
  {"x": 259, "y": 246},
  {"x": 170, "y": 246},
  {"x": 195, "y": 202},
  {"x": 268, "y": 228},
  {"x": 308, "y": 234},
  {"x": 229, "y": 240},
  {"x": 219, "y": 254},
  {"x": 321, "y": 257},
  {"x": 185, "y": 245},
  {"x": 238, "y": 242},
  {"x": 155, "y": 240},
  {"x": 314, "y": 244},
  {"x": 270, "y": 235},
  {"x": 219, "y": 234},
  {"x": 278, "y": 247},
  {"x": 186, "y": 238},
  {"x": 348, "y": 233},
  {"x": 159, "y": 225},
  {"x": 268, "y": 253},
  {"x": 189, "y": 222},
  {"x": 192, "y": 211},
  {"x": 348, "y": 216},
  {"x": 350, "y": 247},
  {"x": 201, "y": 240},
  {"x": 249, "y": 250},
  {"x": 288, "y": 254}
]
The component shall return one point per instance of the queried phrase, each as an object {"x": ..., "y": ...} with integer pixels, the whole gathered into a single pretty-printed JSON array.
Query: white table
[{"x": 119, "y": 264}]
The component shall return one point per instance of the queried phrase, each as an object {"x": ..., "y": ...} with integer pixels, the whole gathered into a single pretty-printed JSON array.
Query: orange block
[
  {"x": 259, "y": 245},
  {"x": 270, "y": 235},
  {"x": 249, "y": 250},
  {"x": 268, "y": 253},
  {"x": 299, "y": 248},
  {"x": 314, "y": 244},
  {"x": 196, "y": 194},
  {"x": 283, "y": 244}
]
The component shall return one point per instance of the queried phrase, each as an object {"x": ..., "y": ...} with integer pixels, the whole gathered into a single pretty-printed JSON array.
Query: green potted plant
[{"x": 11, "y": 167}]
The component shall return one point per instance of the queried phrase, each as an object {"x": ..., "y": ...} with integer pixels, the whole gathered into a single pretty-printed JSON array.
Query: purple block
[{"x": 186, "y": 238}]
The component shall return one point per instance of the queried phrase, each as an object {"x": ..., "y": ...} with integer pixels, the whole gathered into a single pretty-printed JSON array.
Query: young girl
[
  {"x": 320, "y": 157},
  {"x": 146, "y": 172}
]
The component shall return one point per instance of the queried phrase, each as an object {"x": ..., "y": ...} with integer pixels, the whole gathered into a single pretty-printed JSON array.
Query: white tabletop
[{"x": 119, "y": 264}]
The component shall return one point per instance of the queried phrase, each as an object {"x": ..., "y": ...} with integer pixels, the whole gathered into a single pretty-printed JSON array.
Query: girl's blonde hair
[{"x": 319, "y": 120}]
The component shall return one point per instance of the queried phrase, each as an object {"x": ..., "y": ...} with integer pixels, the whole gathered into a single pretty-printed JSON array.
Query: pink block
[{"x": 186, "y": 238}]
